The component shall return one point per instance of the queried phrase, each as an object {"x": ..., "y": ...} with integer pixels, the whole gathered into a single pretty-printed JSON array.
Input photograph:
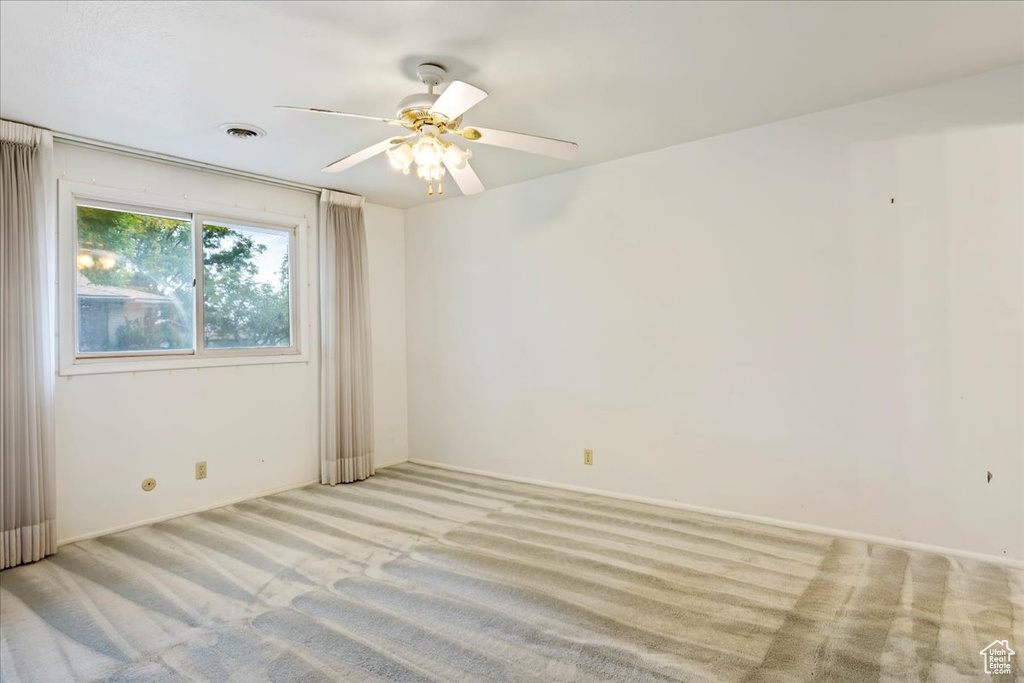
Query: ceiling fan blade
[
  {"x": 360, "y": 156},
  {"x": 456, "y": 99},
  {"x": 313, "y": 110},
  {"x": 466, "y": 178},
  {"x": 560, "y": 149}
]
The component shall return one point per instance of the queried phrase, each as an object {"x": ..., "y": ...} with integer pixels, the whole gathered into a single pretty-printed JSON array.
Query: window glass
[
  {"x": 135, "y": 277},
  {"x": 246, "y": 287}
]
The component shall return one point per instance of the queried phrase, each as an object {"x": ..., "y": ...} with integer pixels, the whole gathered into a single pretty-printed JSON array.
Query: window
[
  {"x": 163, "y": 284},
  {"x": 246, "y": 287},
  {"x": 134, "y": 282}
]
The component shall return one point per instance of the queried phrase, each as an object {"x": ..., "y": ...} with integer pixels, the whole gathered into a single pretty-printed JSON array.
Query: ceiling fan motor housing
[{"x": 419, "y": 102}]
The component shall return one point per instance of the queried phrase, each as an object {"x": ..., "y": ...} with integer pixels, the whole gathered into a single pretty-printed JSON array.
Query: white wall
[
  {"x": 256, "y": 426},
  {"x": 750, "y": 322},
  {"x": 385, "y": 246}
]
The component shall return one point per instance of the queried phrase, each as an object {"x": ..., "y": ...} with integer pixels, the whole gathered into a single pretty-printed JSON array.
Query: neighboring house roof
[
  {"x": 1005, "y": 645},
  {"x": 89, "y": 290}
]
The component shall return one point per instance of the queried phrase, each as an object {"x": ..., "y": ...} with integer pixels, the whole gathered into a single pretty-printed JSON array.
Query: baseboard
[
  {"x": 204, "y": 508},
  {"x": 786, "y": 524}
]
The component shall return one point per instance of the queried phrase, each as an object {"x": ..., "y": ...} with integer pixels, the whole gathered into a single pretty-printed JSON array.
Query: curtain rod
[{"x": 186, "y": 163}]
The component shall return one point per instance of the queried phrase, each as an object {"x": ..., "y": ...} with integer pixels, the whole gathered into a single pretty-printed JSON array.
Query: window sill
[{"x": 105, "y": 366}]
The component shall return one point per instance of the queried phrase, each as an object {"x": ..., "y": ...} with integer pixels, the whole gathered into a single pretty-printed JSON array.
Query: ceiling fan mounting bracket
[{"x": 431, "y": 75}]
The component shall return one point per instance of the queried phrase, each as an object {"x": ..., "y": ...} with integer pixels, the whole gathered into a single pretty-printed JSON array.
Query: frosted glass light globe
[
  {"x": 401, "y": 157},
  {"x": 456, "y": 157},
  {"x": 430, "y": 173},
  {"x": 427, "y": 151}
]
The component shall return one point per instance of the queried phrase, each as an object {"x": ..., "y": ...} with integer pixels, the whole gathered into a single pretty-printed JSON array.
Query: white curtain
[
  {"x": 28, "y": 507},
  {"x": 346, "y": 375}
]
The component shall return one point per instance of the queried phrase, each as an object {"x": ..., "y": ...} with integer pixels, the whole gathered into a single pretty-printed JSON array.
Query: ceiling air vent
[{"x": 242, "y": 131}]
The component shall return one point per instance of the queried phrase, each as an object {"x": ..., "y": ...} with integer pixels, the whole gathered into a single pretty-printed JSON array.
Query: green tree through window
[
  {"x": 246, "y": 302},
  {"x": 136, "y": 284}
]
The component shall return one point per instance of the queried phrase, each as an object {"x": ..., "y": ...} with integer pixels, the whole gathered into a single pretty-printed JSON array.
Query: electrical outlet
[
  {"x": 201, "y": 470},
  {"x": 588, "y": 456}
]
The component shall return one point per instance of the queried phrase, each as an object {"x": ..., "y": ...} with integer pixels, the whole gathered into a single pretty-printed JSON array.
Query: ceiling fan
[{"x": 430, "y": 118}]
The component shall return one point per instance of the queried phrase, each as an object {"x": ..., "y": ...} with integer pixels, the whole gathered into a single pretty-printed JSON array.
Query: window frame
[{"x": 72, "y": 194}]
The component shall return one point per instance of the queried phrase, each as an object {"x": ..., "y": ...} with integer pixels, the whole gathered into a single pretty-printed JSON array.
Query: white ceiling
[{"x": 617, "y": 77}]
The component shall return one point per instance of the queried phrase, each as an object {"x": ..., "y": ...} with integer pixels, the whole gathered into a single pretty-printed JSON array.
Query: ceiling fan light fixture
[
  {"x": 431, "y": 155},
  {"x": 428, "y": 153}
]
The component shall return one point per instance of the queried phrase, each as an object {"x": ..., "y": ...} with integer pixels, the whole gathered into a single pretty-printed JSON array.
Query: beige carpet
[{"x": 421, "y": 574}]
